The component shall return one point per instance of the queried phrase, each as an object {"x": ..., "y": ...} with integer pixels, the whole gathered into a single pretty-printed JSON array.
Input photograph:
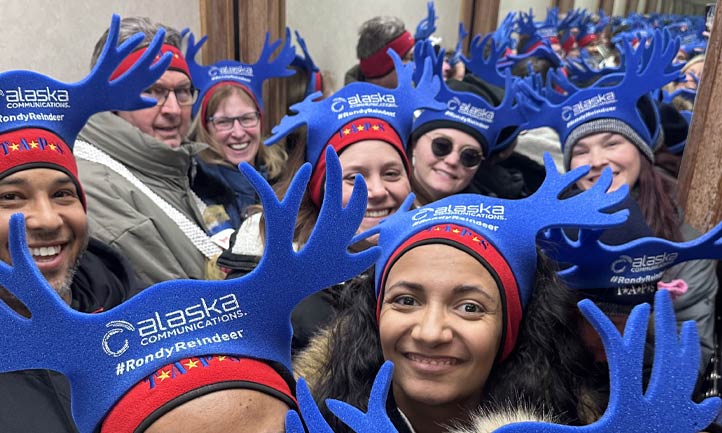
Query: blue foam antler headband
[
  {"x": 305, "y": 62},
  {"x": 249, "y": 76},
  {"x": 33, "y": 100},
  {"x": 666, "y": 404},
  {"x": 503, "y": 232},
  {"x": 174, "y": 320},
  {"x": 631, "y": 269},
  {"x": 427, "y": 26},
  {"x": 470, "y": 112},
  {"x": 646, "y": 68}
]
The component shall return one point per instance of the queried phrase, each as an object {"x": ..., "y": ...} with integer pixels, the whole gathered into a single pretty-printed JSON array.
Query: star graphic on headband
[
  {"x": 457, "y": 231},
  {"x": 221, "y": 358},
  {"x": 191, "y": 364},
  {"x": 34, "y": 144},
  {"x": 346, "y": 131},
  {"x": 14, "y": 146},
  {"x": 52, "y": 146},
  {"x": 375, "y": 127},
  {"x": 360, "y": 127},
  {"x": 476, "y": 239},
  {"x": 164, "y": 375}
]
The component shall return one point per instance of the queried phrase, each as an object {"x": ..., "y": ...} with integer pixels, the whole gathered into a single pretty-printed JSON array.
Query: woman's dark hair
[
  {"x": 547, "y": 369},
  {"x": 656, "y": 197}
]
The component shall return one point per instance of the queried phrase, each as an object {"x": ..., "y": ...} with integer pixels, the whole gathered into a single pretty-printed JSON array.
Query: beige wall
[
  {"x": 330, "y": 27},
  {"x": 57, "y": 37}
]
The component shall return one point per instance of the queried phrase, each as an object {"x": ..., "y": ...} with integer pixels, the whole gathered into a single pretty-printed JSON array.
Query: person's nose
[
  {"x": 171, "y": 105},
  {"x": 433, "y": 328},
  {"x": 376, "y": 188},
  {"x": 42, "y": 215}
]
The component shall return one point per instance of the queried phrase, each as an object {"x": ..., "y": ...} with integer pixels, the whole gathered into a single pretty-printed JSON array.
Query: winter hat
[
  {"x": 247, "y": 317},
  {"x": 621, "y": 267},
  {"x": 500, "y": 233},
  {"x": 356, "y": 112},
  {"x": 187, "y": 379},
  {"x": 248, "y": 77},
  {"x": 617, "y": 102},
  {"x": 665, "y": 404},
  {"x": 177, "y": 61},
  {"x": 381, "y": 63},
  {"x": 472, "y": 106},
  {"x": 41, "y": 117}
]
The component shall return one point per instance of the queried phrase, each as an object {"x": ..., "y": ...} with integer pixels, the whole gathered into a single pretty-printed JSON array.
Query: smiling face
[
  {"x": 607, "y": 150},
  {"x": 168, "y": 122},
  {"x": 441, "y": 325},
  {"x": 386, "y": 179},
  {"x": 239, "y": 143},
  {"x": 55, "y": 220},
  {"x": 442, "y": 176}
]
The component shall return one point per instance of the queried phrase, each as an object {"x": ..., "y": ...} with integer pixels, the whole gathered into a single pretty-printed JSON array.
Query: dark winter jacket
[{"x": 35, "y": 401}]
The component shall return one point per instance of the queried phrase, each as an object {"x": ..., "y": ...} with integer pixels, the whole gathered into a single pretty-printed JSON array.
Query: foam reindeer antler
[
  {"x": 473, "y": 111},
  {"x": 375, "y": 420},
  {"x": 459, "y": 51},
  {"x": 485, "y": 56},
  {"x": 613, "y": 97},
  {"x": 511, "y": 225},
  {"x": 34, "y": 100},
  {"x": 426, "y": 26},
  {"x": 250, "y": 76},
  {"x": 596, "y": 265},
  {"x": 357, "y": 100},
  {"x": 666, "y": 404},
  {"x": 169, "y": 321},
  {"x": 305, "y": 62}
]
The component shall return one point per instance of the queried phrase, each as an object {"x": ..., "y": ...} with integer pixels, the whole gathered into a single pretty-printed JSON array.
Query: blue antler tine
[{"x": 311, "y": 415}]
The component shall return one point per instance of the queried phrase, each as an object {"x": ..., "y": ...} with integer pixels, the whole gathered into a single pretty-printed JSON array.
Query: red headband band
[
  {"x": 488, "y": 255},
  {"x": 380, "y": 63},
  {"x": 177, "y": 383},
  {"x": 586, "y": 40},
  {"x": 353, "y": 132},
  {"x": 207, "y": 98},
  {"x": 568, "y": 44},
  {"x": 23, "y": 149},
  {"x": 178, "y": 61}
]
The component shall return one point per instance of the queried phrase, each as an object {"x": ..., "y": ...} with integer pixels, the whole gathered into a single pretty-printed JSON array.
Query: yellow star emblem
[
  {"x": 475, "y": 239},
  {"x": 34, "y": 144},
  {"x": 346, "y": 131},
  {"x": 375, "y": 127},
  {"x": 52, "y": 146},
  {"x": 191, "y": 364},
  {"x": 14, "y": 146},
  {"x": 164, "y": 375},
  {"x": 360, "y": 127},
  {"x": 457, "y": 231},
  {"x": 221, "y": 358},
  {"x": 437, "y": 229}
]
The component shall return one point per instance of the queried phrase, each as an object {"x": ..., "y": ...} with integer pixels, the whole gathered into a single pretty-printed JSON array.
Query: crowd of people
[{"x": 413, "y": 244}]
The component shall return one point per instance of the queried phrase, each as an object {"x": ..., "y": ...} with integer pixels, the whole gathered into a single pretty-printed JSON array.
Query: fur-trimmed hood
[{"x": 487, "y": 421}]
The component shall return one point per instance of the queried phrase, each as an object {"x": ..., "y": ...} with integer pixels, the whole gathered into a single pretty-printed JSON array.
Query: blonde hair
[{"x": 273, "y": 158}]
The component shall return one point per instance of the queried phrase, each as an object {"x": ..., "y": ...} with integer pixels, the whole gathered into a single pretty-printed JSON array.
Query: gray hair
[
  {"x": 377, "y": 32},
  {"x": 132, "y": 25}
]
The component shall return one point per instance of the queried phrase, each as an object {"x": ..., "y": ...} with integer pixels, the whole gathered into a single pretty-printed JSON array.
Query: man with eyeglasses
[{"x": 135, "y": 166}]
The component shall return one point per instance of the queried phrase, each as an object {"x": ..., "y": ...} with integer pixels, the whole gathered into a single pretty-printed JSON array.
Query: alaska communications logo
[
  {"x": 644, "y": 263},
  {"x": 358, "y": 100},
  {"x": 582, "y": 107},
  {"x": 217, "y": 71},
  {"x": 19, "y": 97},
  {"x": 206, "y": 313},
  {"x": 489, "y": 212},
  {"x": 469, "y": 110}
]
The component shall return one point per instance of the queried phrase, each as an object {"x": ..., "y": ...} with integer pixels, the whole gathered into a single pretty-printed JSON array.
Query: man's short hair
[{"x": 375, "y": 33}]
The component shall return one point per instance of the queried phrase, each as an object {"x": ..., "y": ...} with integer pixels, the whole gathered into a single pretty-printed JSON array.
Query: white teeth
[
  {"x": 376, "y": 213},
  {"x": 46, "y": 251},
  {"x": 431, "y": 361},
  {"x": 238, "y": 146}
]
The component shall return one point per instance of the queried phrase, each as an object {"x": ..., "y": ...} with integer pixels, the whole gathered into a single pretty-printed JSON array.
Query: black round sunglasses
[{"x": 469, "y": 158}]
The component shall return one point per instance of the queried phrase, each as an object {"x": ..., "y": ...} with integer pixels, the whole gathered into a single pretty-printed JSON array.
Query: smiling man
[
  {"x": 135, "y": 168},
  {"x": 39, "y": 178}
]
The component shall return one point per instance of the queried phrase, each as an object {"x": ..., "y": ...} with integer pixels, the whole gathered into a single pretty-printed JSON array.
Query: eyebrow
[
  {"x": 22, "y": 181},
  {"x": 456, "y": 291}
]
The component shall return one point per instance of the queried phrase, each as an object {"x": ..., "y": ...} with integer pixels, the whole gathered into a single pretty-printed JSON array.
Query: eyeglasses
[
  {"x": 469, "y": 158},
  {"x": 183, "y": 95},
  {"x": 248, "y": 120}
]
